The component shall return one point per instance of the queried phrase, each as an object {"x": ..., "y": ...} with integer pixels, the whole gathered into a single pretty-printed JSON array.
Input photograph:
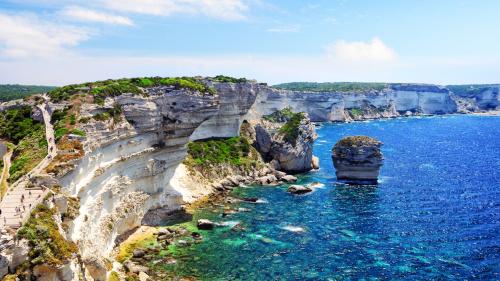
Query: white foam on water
[
  {"x": 295, "y": 229},
  {"x": 229, "y": 223},
  {"x": 316, "y": 185}
]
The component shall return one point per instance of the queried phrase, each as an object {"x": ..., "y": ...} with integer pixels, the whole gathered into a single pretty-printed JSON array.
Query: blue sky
[{"x": 58, "y": 42}]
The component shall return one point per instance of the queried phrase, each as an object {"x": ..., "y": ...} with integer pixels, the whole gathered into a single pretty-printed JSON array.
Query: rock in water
[
  {"x": 205, "y": 224},
  {"x": 299, "y": 189},
  {"x": 357, "y": 160}
]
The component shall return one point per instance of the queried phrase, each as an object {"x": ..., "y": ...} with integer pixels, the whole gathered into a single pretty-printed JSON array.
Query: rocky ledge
[{"x": 357, "y": 160}]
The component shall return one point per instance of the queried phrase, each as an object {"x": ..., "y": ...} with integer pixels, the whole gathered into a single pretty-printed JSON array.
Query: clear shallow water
[{"x": 434, "y": 216}]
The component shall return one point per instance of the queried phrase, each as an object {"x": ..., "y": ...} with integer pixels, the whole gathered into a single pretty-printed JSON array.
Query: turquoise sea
[{"x": 434, "y": 216}]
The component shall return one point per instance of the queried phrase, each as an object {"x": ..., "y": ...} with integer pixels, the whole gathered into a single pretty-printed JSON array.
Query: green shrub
[
  {"x": 290, "y": 130},
  {"x": 356, "y": 112},
  {"x": 58, "y": 115},
  {"x": 15, "y": 124},
  {"x": 12, "y": 92},
  {"x": 283, "y": 115},
  {"x": 232, "y": 151},
  {"x": 60, "y": 132},
  {"x": 47, "y": 244},
  {"x": 114, "y": 113},
  {"x": 84, "y": 120},
  {"x": 227, "y": 79},
  {"x": 113, "y": 276},
  {"x": 109, "y": 88},
  {"x": 28, "y": 153},
  {"x": 78, "y": 132}
]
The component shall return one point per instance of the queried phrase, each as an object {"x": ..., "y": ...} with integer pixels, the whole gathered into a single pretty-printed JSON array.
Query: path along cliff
[{"x": 19, "y": 201}]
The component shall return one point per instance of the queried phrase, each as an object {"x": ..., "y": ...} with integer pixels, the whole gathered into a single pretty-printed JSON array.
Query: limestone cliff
[
  {"x": 392, "y": 101},
  {"x": 133, "y": 166}
]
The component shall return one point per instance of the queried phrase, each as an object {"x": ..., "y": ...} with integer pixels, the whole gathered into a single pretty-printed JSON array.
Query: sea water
[{"x": 435, "y": 214}]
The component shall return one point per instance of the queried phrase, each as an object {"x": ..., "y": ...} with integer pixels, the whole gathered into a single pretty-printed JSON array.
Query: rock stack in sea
[
  {"x": 357, "y": 160},
  {"x": 286, "y": 140}
]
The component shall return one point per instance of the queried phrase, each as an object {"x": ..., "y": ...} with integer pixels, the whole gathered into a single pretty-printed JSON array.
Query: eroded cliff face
[
  {"x": 396, "y": 100},
  {"x": 134, "y": 166}
]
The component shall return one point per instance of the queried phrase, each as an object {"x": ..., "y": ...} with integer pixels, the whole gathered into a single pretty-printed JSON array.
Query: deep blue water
[{"x": 434, "y": 216}]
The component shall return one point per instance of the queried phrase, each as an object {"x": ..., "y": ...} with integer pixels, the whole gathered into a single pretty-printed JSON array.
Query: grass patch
[
  {"x": 47, "y": 244},
  {"x": 78, "y": 132}
]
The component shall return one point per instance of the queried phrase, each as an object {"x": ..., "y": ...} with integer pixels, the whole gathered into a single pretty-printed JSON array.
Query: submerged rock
[
  {"x": 357, "y": 160},
  {"x": 299, "y": 189}
]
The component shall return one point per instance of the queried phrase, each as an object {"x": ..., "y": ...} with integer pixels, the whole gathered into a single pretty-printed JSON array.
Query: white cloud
[
  {"x": 84, "y": 14},
  {"x": 25, "y": 35},
  {"x": 373, "y": 51},
  {"x": 284, "y": 29},
  {"x": 220, "y": 9},
  {"x": 272, "y": 69}
]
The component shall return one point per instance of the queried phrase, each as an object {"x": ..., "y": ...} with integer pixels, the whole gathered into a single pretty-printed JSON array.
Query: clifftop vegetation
[
  {"x": 108, "y": 88},
  {"x": 13, "y": 92},
  {"x": 331, "y": 87},
  {"x": 28, "y": 136},
  {"x": 357, "y": 141},
  {"x": 227, "y": 79},
  {"x": 469, "y": 90}
]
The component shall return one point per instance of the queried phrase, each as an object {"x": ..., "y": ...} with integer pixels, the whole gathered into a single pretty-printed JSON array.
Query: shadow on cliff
[{"x": 164, "y": 217}]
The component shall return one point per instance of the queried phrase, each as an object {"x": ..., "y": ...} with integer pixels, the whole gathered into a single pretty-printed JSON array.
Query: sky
[{"x": 54, "y": 42}]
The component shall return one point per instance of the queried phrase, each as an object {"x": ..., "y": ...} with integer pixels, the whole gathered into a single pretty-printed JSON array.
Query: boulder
[
  {"x": 144, "y": 277},
  {"x": 289, "y": 179},
  {"x": 205, "y": 224},
  {"x": 135, "y": 268},
  {"x": 299, "y": 189},
  {"x": 357, "y": 160},
  {"x": 139, "y": 253},
  {"x": 315, "y": 163}
]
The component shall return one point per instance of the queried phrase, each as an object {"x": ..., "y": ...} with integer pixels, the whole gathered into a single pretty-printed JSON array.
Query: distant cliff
[{"x": 351, "y": 101}]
